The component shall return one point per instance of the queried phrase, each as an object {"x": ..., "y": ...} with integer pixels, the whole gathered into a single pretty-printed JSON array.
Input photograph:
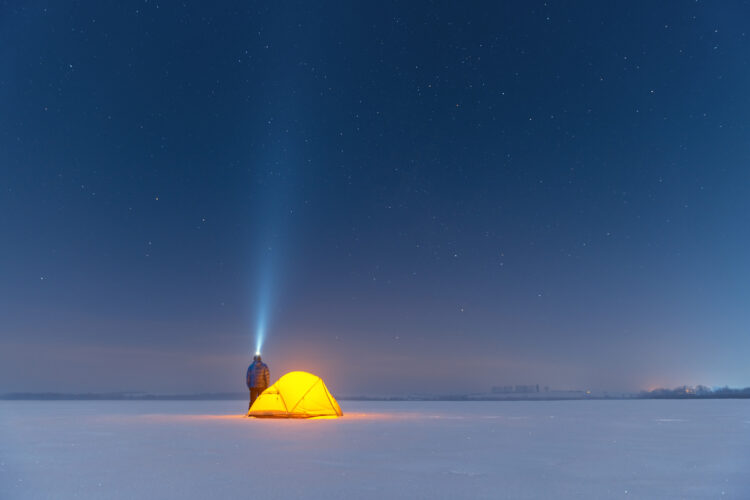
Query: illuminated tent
[{"x": 296, "y": 395}]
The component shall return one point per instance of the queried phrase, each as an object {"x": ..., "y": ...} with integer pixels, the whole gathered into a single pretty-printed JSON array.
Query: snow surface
[{"x": 522, "y": 449}]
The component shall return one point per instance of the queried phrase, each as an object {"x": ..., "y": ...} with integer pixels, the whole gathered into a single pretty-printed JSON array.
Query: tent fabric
[{"x": 296, "y": 395}]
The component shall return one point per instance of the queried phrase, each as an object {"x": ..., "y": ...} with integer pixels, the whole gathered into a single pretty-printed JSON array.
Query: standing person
[{"x": 257, "y": 379}]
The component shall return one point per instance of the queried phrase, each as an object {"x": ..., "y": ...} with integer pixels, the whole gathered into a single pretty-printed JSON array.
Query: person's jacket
[{"x": 258, "y": 376}]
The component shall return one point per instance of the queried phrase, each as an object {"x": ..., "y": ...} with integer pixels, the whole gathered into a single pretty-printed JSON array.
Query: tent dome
[{"x": 296, "y": 395}]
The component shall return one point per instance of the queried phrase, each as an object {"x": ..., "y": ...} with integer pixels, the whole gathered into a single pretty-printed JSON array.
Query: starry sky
[{"x": 408, "y": 197}]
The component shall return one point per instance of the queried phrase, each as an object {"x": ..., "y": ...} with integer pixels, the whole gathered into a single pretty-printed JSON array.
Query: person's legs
[{"x": 254, "y": 393}]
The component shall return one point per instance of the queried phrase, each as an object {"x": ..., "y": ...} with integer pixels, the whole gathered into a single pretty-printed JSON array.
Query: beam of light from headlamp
[
  {"x": 264, "y": 293},
  {"x": 261, "y": 322}
]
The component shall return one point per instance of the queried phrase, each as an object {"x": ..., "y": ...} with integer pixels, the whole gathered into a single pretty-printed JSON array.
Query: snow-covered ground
[{"x": 527, "y": 449}]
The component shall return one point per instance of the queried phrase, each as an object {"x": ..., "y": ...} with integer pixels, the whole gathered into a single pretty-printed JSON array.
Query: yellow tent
[{"x": 296, "y": 395}]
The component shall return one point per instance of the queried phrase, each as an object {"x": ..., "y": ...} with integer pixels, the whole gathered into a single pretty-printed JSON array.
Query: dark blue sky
[{"x": 426, "y": 197}]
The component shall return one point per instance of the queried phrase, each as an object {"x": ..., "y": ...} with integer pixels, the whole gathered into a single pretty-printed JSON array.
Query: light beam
[{"x": 262, "y": 311}]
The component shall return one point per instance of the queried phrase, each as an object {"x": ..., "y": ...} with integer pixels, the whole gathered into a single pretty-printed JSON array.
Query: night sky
[{"x": 406, "y": 197}]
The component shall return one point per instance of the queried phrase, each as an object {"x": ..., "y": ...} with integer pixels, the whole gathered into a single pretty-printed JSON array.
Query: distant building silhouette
[{"x": 518, "y": 389}]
